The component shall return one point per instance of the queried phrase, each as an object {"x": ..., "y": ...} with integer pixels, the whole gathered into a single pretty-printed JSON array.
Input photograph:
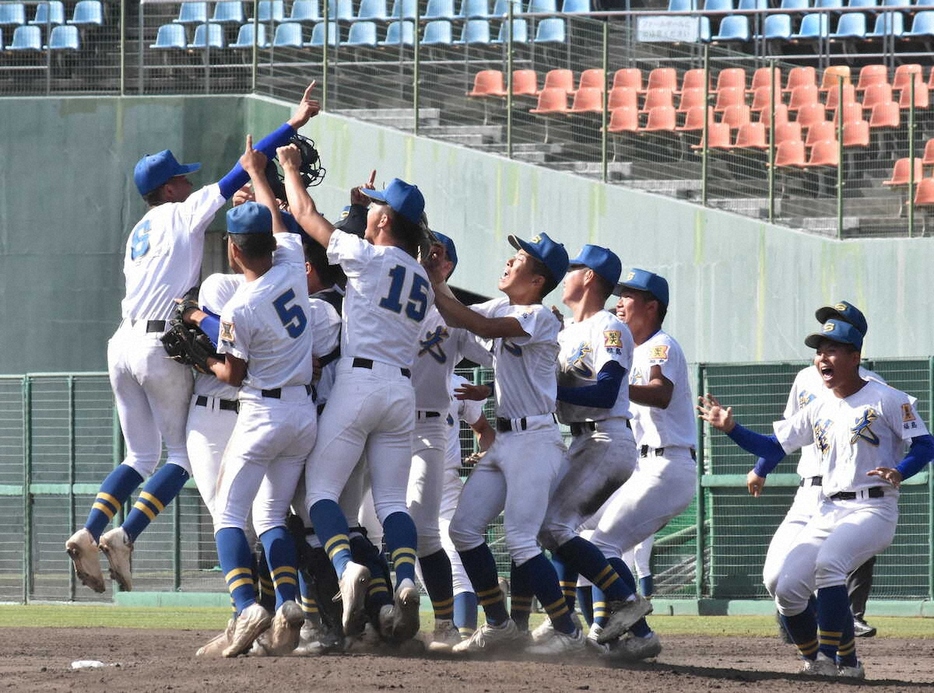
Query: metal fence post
[
  {"x": 911, "y": 159},
  {"x": 416, "y": 78},
  {"x": 255, "y": 52},
  {"x": 839, "y": 157},
  {"x": 606, "y": 99},
  {"x": 699, "y": 494},
  {"x": 772, "y": 140},
  {"x": 27, "y": 482},
  {"x": 509, "y": 57},
  {"x": 706, "y": 150}
]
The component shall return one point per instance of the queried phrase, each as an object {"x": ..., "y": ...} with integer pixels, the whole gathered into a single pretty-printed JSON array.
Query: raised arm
[
  {"x": 254, "y": 163},
  {"x": 301, "y": 205}
]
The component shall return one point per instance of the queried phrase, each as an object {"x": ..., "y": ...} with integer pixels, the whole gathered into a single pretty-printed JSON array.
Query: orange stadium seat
[
  {"x": 488, "y": 83},
  {"x": 872, "y": 74}
]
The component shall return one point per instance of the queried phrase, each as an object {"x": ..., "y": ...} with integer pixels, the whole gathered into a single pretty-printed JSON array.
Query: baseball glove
[{"x": 188, "y": 345}]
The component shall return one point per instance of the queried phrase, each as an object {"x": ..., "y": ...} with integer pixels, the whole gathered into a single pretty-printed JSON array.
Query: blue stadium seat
[
  {"x": 813, "y": 27},
  {"x": 896, "y": 3},
  {"x": 923, "y": 25},
  {"x": 305, "y": 11},
  {"x": 317, "y": 35},
  {"x": 340, "y": 10},
  {"x": 682, "y": 5},
  {"x": 475, "y": 9},
  {"x": 246, "y": 34},
  {"x": 703, "y": 29},
  {"x": 888, "y": 24},
  {"x": 852, "y": 25},
  {"x": 64, "y": 38},
  {"x": 776, "y": 27},
  {"x": 732, "y": 28},
  {"x": 404, "y": 9},
  {"x": 288, "y": 35},
  {"x": 88, "y": 13},
  {"x": 192, "y": 13},
  {"x": 372, "y": 10},
  {"x": 26, "y": 38},
  {"x": 542, "y": 7},
  {"x": 1, "y": 38},
  {"x": 753, "y": 5},
  {"x": 551, "y": 30},
  {"x": 399, "y": 32},
  {"x": 475, "y": 31},
  {"x": 828, "y": 4},
  {"x": 520, "y": 32},
  {"x": 170, "y": 37},
  {"x": 501, "y": 7},
  {"x": 789, "y": 5},
  {"x": 12, "y": 14},
  {"x": 208, "y": 35},
  {"x": 440, "y": 9},
  {"x": 718, "y": 6},
  {"x": 271, "y": 10},
  {"x": 49, "y": 13},
  {"x": 575, "y": 6},
  {"x": 228, "y": 12},
  {"x": 924, "y": 3},
  {"x": 437, "y": 33},
  {"x": 863, "y": 3},
  {"x": 361, "y": 34}
]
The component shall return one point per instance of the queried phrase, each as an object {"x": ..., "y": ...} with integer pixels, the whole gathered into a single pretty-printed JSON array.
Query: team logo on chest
[
  {"x": 821, "y": 440},
  {"x": 863, "y": 428},
  {"x": 636, "y": 377},
  {"x": 804, "y": 399},
  {"x": 577, "y": 360},
  {"x": 433, "y": 344}
]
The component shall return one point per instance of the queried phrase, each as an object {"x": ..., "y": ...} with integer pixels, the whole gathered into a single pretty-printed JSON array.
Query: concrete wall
[{"x": 742, "y": 290}]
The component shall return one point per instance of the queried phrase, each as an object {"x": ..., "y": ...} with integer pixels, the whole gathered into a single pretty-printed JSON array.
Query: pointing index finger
[{"x": 307, "y": 95}]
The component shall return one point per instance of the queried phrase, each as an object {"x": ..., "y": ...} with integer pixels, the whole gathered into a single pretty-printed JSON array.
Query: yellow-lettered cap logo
[
  {"x": 630, "y": 276},
  {"x": 828, "y": 326},
  {"x": 840, "y": 306}
]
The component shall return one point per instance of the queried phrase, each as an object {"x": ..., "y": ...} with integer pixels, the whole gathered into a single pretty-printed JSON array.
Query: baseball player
[
  {"x": 665, "y": 477},
  {"x": 807, "y": 387},
  {"x": 162, "y": 261},
  {"x": 639, "y": 561},
  {"x": 860, "y": 431},
  {"x": 372, "y": 405}
]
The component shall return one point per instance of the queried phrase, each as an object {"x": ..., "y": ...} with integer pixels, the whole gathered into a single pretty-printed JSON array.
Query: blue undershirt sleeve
[
  {"x": 920, "y": 454},
  {"x": 236, "y": 178},
  {"x": 211, "y": 326},
  {"x": 601, "y": 394},
  {"x": 765, "y": 447}
]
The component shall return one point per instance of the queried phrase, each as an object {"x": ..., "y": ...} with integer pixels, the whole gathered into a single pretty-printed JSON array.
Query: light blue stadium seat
[
  {"x": 12, "y": 14},
  {"x": 399, "y": 32},
  {"x": 682, "y": 5},
  {"x": 501, "y": 7},
  {"x": 813, "y": 27},
  {"x": 575, "y": 6},
  {"x": 437, "y": 33},
  {"x": 317, "y": 35},
  {"x": 862, "y": 3},
  {"x": 371, "y": 10},
  {"x": 64, "y": 38},
  {"x": 789, "y": 5},
  {"x": 305, "y": 11},
  {"x": 26, "y": 38},
  {"x": 733, "y": 28},
  {"x": 888, "y": 24},
  {"x": 245, "y": 37},
  {"x": 542, "y": 7},
  {"x": 361, "y": 34},
  {"x": 828, "y": 4},
  {"x": 340, "y": 10},
  {"x": 475, "y": 9},
  {"x": 896, "y": 3},
  {"x": 404, "y": 9},
  {"x": 520, "y": 32},
  {"x": 753, "y": 5},
  {"x": 49, "y": 13},
  {"x": 228, "y": 12},
  {"x": 192, "y": 13},
  {"x": 208, "y": 35},
  {"x": 703, "y": 30},
  {"x": 718, "y": 6},
  {"x": 170, "y": 37},
  {"x": 852, "y": 25},
  {"x": 440, "y": 9},
  {"x": 88, "y": 13},
  {"x": 551, "y": 30},
  {"x": 924, "y": 3},
  {"x": 923, "y": 25},
  {"x": 474, "y": 31},
  {"x": 776, "y": 27},
  {"x": 288, "y": 35},
  {"x": 271, "y": 10}
]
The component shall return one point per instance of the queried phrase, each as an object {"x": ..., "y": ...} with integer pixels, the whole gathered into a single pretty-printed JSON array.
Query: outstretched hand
[
  {"x": 477, "y": 393},
  {"x": 434, "y": 263},
  {"x": 887, "y": 474},
  {"x": 253, "y": 161},
  {"x": 356, "y": 194},
  {"x": 307, "y": 109},
  {"x": 711, "y": 411}
]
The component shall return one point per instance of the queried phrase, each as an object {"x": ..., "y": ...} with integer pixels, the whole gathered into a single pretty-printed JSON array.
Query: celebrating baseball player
[
  {"x": 860, "y": 431},
  {"x": 162, "y": 261}
]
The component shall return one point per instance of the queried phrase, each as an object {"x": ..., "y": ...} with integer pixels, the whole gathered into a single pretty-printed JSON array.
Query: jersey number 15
[{"x": 417, "y": 304}]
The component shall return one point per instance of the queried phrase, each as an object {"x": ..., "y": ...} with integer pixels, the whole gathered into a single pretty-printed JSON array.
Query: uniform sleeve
[
  {"x": 199, "y": 209},
  {"x": 535, "y": 321},
  {"x": 471, "y": 347},
  {"x": 216, "y": 290},
  {"x": 906, "y": 418},
  {"x": 325, "y": 326},
  {"x": 349, "y": 251},
  {"x": 234, "y": 332},
  {"x": 288, "y": 250},
  {"x": 668, "y": 358},
  {"x": 472, "y": 411},
  {"x": 796, "y": 432}
]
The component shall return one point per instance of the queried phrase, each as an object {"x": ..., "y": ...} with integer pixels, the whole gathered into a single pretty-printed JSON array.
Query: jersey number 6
[
  {"x": 417, "y": 305},
  {"x": 293, "y": 317}
]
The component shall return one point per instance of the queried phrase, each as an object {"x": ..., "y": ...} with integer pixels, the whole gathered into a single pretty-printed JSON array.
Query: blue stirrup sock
[
  {"x": 401, "y": 539},
  {"x": 544, "y": 580},
  {"x": 237, "y": 564},
  {"x": 439, "y": 583},
  {"x": 465, "y": 613},
  {"x": 113, "y": 493},
  {"x": 802, "y": 629},
  {"x": 590, "y": 562},
  {"x": 332, "y": 530},
  {"x": 521, "y": 596},
  {"x": 835, "y": 624},
  {"x": 282, "y": 559},
  {"x": 480, "y": 566},
  {"x": 161, "y": 489},
  {"x": 567, "y": 579},
  {"x": 585, "y": 603}
]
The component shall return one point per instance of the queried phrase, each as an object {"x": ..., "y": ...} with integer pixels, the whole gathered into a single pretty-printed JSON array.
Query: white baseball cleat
[
  {"x": 354, "y": 583},
  {"x": 85, "y": 556},
  {"x": 216, "y": 645},
  {"x": 405, "y": 623},
  {"x": 488, "y": 638},
  {"x": 822, "y": 665},
  {"x": 283, "y": 635},
  {"x": 444, "y": 637},
  {"x": 559, "y": 643},
  {"x": 634, "y": 649},
  {"x": 252, "y": 621},
  {"x": 546, "y": 629},
  {"x": 118, "y": 548},
  {"x": 623, "y": 616},
  {"x": 846, "y": 672}
]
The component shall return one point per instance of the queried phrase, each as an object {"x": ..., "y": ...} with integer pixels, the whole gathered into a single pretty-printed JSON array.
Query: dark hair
[
  {"x": 539, "y": 267},
  {"x": 409, "y": 233},
  {"x": 317, "y": 257},
  {"x": 606, "y": 289},
  {"x": 154, "y": 197},
  {"x": 253, "y": 245}
]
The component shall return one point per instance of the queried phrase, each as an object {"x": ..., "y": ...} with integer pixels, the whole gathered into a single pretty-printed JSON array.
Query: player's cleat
[
  {"x": 118, "y": 548},
  {"x": 216, "y": 645},
  {"x": 847, "y": 672},
  {"x": 405, "y": 622},
  {"x": 315, "y": 640},
  {"x": 444, "y": 637},
  {"x": 635, "y": 649},
  {"x": 559, "y": 643},
  {"x": 85, "y": 555},
  {"x": 488, "y": 638},
  {"x": 822, "y": 665},
  {"x": 368, "y": 640},
  {"x": 252, "y": 621},
  {"x": 283, "y": 635},
  {"x": 623, "y": 616},
  {"x": 546, "y": 630},
  {"x": 354, "y": 583},
  {"x": 861, "y": 629},
  {"x": 599, "y": 648}
]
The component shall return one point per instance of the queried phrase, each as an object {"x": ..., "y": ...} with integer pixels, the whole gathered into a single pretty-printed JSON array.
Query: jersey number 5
[
  {"x": 293, "y": 317},
  {"x": 139, "y": 245},
  {"x": 417, "y": 304}
]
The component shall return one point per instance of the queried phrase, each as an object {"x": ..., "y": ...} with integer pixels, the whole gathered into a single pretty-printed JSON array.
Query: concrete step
[
  {"x": 469, "y": 135},
  {"x": 400, "y": 118}
]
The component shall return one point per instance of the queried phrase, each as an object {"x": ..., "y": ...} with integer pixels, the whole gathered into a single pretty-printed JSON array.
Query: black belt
[
  {"x": 428, "y": 414},
  {"x": 276, "y": 392},
  {"x": 223, "y": 404},
  {"x": 368, "y": 363},
  {"x": 152, "y": 325},
  {"x": 874, "y": 492},
  {"x": 578, "y": 428},
  {"x": 505, "y": 425},
  {"x": 659, "y": 452},
  {"x": 812, "y": 481}
]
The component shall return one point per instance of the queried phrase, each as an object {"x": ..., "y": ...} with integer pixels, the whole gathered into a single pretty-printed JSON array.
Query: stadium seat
[
  {"x": 753, "y": 5},
  {"x": 520, "y": 32},
  {"x": 246, "y": 34},
  {"x": 703, "y": 29},
  {"x": 885, "y": 116},
  {"x": 437, "y": 33},
  {"x": 718, "y": 6},
  {"x": 922, "y": 98},
  {"x": 789, "y": 131},
  {"x": 762, "y": 99},
  {"x": 928, "y": 156},
  {"x": 924, "y": 192},
  {"x": 501, "y": 7},
  {"x": 851, "y": 26},
  {"x": 361, "y": 35},
  {"x": 623, "y": 119},
  {"x": 734, "y": 28},
  {"x": 317, "y": 35},
  {"x": 802, "y": 96},
  {"x": 813, "y": 28},
  {"x": 440, "y": 9},
  {"x": 474, "y": 9},
  {"x": 922, "y": 25},
  {"x": 811, "y": 113},
  {"x": 902, "y": 172},
  {"x": 777, "y": 27},
  {"x": 852, "y": 112},
  {"x": 830, "y": 79},
  {"x": 288, "y": 35},
  {"x": 825, "y": 153},
  {"x": 542, "y": 7},
  {"x": 730, "y": 96},
  {"x": 751, "y": 136},
  {"x": 271, "y": 11},
  {"x": 877, "y": 93},
  {"x": 488, "y": 83},
  {"x": 790, "y": 154},
  {"x": 718, "y": 134},
  {"x": 693, "y": 79},
  {"x": 832, "y": 100},
  {"x": 682, "y": 5},
  {"x": 760, "y": 78},
  {"x": 904, "y": 73},
  {"x": 474, "y": 32},
  {"x": 888, "y": 24},
  {"x": 691, "y": 98},
  {"x": 867, "y": 4},
  {"x": 795, "y": 5},
  {"x": 897, "y": 3},
  {"x": 64, "y": 38},
  {"x": 694, "y": 119},
  {"x": 828, "y": 4},
  {"x": 801, "y": 75},
  {"x": 663, "y": 78},
  {"x": 731, "y": 77},
  {"x": 372, "y": 10},
  {"x": 824, "y": 130},
  {"x": 593, "y": 77},
  {"x": 657, "y": 97},
  {"x": 737, "y": 115},
  {"x": 12, "y": 14},
  {"x": 305, "y": 11},
  {"x": 228, "y": 12},
  {"x": 52, "y": 12},
  {"x": 587, "y": 100},
  {"x": 781, "y": 115},
  {"x": 524, "y": 83},
  {"x": 575, "y": 7},
  {"x": 404, "y": 9},
  {"x": 208, "y": 36},
  {"x": 88, "y": 13},
  {"x": 559, "y": 78},
  {"x": 623, "y": 97},
  {"x": 551, "y": 30},
  {"x": 872, "y": 74},
  {"x": 856, "y": 134},
  {"x": 170, "y": 37},
  {"x": 401, "y": 32},
  {"x": 551, "y": 101},
  {"x": 628, "y": 77},
  {"x": 26, "y": 38},
  {"x": 192, "y": 13},
  {"x": 661, "y": 119}
]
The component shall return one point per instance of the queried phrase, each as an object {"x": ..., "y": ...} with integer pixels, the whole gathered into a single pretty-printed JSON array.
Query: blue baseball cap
[
  {"x": 449, "y": 248},
  {"x": 603, "y": 261},
  {"x": 154, "y": 170},
  {"x": 405, "y": 199},
  {"x": 643, "y": 280},
  {"x": 250, "y": 217},
  {"x": 542, "y": 248},
  {"x": 836, "y": 330},
  {"x": 845, "y": 311}
]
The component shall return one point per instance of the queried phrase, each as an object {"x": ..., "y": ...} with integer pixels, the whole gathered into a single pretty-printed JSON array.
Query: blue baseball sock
[
  {"x": 541, "y": 574},
  {"x": 802, "y": 629},
  {"x": 626, "y": 576},
  {"x": 647, "y": 586},
  {"x": 481, "y": 569},
  {"x": 379, "y": 593},
  {"x": 262, "y": 580},
  {"x": 567, "y": 579},
  {"x": 585, "y": 603},
  {"x": 833, "y": 616},
  {"x": 521, "y": 594},
  {"x": 236, "y": 562},
  {"x": 307, "y": 599},
  {"x": 439, "y": 583},
  {"x": 159, "y": 491},
  {"x": 283, "y": 560},
  {"x": 465, "y": 612},
  {"x": 590, "y": 562},
  {"x": 332, "y": 530},
  {"x": 401, "y": 541},
  {"x": 113, "y": 493}
]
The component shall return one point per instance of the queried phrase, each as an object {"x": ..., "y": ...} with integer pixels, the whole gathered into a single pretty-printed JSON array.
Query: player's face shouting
[
  {"x": 518, "y": 269},
  {"x": 837, "y": 363}
]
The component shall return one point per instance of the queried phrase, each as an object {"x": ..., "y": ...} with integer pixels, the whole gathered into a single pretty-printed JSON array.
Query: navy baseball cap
[
  {"x": 603, "y": 261},
  {"x": 551, "y": 254},
  {"x": 836, "y": 330},
  {"x": 154, "y": 170},
  {"x": 405, "y": 199},
  {"x": 643, "y": 280},
  {"x": 250, "y": 217},
  {"x": 449, "y": 248},
  {"x": 846, "y": 311}
]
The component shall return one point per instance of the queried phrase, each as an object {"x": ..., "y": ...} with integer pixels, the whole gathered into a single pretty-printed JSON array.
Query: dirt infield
[{"x": 148, "y": 660}]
